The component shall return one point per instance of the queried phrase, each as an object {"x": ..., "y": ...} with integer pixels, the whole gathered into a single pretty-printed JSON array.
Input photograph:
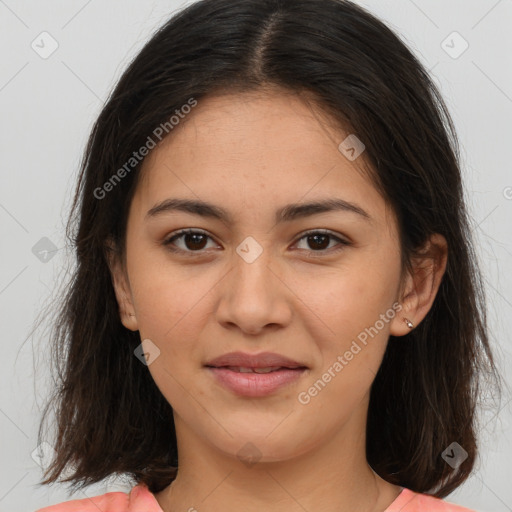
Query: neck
[{"x": 332, "y": 477}]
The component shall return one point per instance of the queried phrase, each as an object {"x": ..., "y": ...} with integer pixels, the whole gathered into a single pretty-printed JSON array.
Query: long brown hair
[{"x": 111, "y": 417}]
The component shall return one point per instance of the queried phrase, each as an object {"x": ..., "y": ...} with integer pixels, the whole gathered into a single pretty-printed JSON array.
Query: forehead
[
  {"x": 260, "y": 122},
  {"x": 251, "y": 150}
]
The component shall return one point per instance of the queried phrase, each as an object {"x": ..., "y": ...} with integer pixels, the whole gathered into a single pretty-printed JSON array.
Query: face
[{"x": 317, "y": 287}]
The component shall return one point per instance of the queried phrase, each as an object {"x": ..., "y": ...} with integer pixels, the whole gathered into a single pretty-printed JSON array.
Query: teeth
[
  {"x": 241, "y": 369},
  {"x": 265, "y": 370}
]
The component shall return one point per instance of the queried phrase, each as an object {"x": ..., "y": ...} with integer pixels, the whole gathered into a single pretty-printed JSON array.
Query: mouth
[
  {"x": 263, "y": 362},
  {"x": 255, "y": 375},
  {"x": 269, "y": 369}
]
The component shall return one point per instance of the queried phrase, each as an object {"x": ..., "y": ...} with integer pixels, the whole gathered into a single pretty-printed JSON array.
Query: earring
[{"x": 409, "y": 323}]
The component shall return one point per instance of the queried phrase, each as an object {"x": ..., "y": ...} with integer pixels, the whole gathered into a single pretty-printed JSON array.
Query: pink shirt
[{"x": 141, "y": 500}]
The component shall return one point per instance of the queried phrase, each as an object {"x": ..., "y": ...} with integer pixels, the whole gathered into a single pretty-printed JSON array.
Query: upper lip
[{"x": 262, "y": 360}]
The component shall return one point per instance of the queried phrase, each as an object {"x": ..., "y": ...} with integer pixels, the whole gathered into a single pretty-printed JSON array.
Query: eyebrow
[{"x": 287, "y": 213}]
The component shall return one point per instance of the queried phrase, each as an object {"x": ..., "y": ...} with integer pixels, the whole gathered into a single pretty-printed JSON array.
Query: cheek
[
  {"x": 159, "y": 308},
  {"x": 167, "y": 311},
  {"x": 351, "y": 352},
  {"x": 163, "y": 295},
  {"x": 172, "y": 309},
  {"x": 353, "y": 299}
]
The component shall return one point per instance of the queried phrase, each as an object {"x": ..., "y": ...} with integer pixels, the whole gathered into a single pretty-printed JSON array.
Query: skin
[{"x": 252, "y": 154}]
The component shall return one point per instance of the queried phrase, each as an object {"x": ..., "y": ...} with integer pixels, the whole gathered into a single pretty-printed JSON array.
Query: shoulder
[
  {"x": 138, "y": 497},
  {"x": 410, "y": 501}
]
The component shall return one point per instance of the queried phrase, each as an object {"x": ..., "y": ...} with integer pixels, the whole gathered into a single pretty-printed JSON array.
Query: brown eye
[
  {"x": 319, "y": 241},
  {"x": 192, "y": 241}
]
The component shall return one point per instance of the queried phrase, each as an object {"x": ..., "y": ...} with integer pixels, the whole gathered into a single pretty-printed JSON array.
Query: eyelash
[{"x": 315, "y": 254}]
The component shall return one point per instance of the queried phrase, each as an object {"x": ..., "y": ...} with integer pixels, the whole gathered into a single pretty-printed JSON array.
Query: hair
[{"x": 111, "y": 416}]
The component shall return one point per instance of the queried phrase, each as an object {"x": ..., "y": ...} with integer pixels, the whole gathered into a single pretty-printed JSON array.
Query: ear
[
  {"x": 121, "y": 286},
  {"x": 421, "y": 284}
]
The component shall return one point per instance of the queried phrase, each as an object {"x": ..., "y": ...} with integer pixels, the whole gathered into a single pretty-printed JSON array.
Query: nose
[{"x": 254, "y": 295}]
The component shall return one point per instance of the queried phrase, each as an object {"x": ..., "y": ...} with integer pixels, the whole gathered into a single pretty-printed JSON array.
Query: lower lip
[{"x": 256, "y": 384}]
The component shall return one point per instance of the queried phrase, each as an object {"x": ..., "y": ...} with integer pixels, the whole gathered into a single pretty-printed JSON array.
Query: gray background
[{"x": 48, "y": 106}]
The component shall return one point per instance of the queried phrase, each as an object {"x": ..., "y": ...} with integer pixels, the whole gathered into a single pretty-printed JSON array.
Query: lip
[
  {"x": 255, "y": 384},
  {"x": 261, "y": 360}
]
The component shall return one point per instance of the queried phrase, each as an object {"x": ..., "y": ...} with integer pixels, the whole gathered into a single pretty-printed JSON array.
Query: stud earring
[{"x": 409, "y": 323}]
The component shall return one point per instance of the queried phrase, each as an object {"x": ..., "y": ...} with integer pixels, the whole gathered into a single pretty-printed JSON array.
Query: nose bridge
[
  {"x": 253, "y": 296},
  {"x": 252, "y": 273}
]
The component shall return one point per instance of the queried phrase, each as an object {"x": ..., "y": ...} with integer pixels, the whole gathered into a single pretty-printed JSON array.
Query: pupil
[
  {"x": 315, "y": 237},
  {"x": 195, "y": 238}
]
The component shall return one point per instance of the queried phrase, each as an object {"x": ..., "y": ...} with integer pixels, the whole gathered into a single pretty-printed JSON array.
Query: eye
[
  {"x": 193, "y": 241},
  {"x": 318, "y": 240}
]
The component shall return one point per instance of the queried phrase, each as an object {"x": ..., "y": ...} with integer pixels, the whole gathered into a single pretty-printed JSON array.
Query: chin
[{"x": 261, "y": 447}]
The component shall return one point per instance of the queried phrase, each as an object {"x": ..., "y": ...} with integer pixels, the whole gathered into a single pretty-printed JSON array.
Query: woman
[{"x": 276, "y": 304}]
